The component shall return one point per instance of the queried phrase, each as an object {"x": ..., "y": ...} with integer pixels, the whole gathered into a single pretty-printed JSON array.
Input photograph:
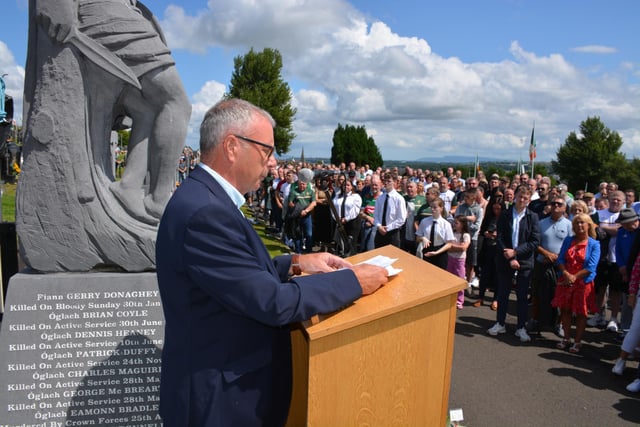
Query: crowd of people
[{"x": 566, "y": 255}]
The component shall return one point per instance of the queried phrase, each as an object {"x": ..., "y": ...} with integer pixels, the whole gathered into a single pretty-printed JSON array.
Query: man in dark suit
[
  {"x": 517, "y": 243},
  {"x": 227, "y": 304}
]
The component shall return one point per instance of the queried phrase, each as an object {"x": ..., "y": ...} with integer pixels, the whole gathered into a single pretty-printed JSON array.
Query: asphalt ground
[{"x": 499, "y": 381}]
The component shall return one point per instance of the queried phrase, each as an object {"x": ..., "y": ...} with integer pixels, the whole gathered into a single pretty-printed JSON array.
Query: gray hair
[{"x": 228, "y": 116}]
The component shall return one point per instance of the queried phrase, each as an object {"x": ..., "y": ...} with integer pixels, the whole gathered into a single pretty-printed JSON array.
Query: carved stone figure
[{"x": 90, "y": 65}]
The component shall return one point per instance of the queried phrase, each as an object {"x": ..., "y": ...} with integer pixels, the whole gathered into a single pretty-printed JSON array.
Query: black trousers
[
  {"x": 391, "y": 238},
  {"x": 439, "y": 260}
]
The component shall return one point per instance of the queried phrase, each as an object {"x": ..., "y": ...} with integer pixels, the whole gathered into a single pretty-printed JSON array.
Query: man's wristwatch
[{"x": 295, "y": 265}]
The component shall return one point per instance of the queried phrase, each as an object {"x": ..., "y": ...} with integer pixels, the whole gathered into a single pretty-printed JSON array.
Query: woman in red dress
[{"x": 575, "y": 294}]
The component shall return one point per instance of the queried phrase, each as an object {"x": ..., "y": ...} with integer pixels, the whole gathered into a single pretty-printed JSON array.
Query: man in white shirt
[
  {"x": 389, "y": 215},
  {"x": 448, "y": 197}
]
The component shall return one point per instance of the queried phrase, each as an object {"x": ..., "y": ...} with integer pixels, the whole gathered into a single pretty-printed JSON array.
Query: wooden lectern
[{"x": 383, "y": 361}]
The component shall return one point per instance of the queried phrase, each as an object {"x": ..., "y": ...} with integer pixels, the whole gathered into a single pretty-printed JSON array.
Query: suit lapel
[{"x": 253, "y": 239}]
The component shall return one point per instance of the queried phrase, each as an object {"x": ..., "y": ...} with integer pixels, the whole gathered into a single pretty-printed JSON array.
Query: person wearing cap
[
  {"x": 608, "y": 275},
  {"x": 629, "y": 222},
  {"x": 301, "y": 202},
  {"x": 590, "y": 199}
]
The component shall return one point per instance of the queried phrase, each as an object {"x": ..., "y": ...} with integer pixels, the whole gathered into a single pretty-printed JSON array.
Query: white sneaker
[
  {"x": 559, "y": 331},
  {"x": 496, "y": 329},
  {"x": 522, "y": 334},
  {"x": 475, "y": 282},
  {"x": 612, "y": 326},
  {"x": 595, "y": 320},
  {"x": 634, "y": 387},
  {"x": 618, "y": 368}
]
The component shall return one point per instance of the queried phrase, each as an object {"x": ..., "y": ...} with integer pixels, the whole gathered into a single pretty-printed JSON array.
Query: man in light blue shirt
[{"x": 553, "y": 230}]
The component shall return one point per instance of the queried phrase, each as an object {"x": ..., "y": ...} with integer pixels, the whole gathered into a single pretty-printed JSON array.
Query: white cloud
[
  {"x": 416, "y": 102},
  {"x": 595, "y": 49},
  {"x": 287, "y": 24},
  {"x": 209, "y": 94},
  {"x": 14, "y": 79}
]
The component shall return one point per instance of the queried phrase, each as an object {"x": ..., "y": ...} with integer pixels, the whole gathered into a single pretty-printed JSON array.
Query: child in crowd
[
  {"x": 457, "y": 251},
  {"x": 433, "y": 234}
]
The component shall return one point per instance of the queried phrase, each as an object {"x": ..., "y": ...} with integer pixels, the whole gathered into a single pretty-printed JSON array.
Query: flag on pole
[
  {"x": 532, "y": 145},
  {"x": 477, "y": 165}
]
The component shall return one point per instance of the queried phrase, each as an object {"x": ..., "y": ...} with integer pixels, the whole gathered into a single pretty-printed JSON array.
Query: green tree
[
  {"x": 256, "y": 78},
  {"x": 592, "y": 157},
  {"x": 628, "y": 176},
  {"x": 123, "y": 137},
  {"x": 352, "y": 144}
]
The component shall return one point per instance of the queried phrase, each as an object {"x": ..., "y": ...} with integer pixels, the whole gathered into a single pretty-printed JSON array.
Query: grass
[
  {"x": 8, "y": 202},
  {"x": 274, "y": 246}
]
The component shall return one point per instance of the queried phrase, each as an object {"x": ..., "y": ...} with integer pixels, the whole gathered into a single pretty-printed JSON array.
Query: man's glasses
[
  {"x": 556, "y": 204},
  {"x": 262, "y": 144}
]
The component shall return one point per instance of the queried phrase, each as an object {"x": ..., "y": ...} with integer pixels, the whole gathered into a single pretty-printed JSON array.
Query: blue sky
[{"x": 427, "y": 79}]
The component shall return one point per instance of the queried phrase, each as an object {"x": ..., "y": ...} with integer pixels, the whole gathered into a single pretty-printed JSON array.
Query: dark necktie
[
  {"x": 342, "y": 208},
  {"x": 384, "y": 209},
  {"x": 432, "y": 235}
]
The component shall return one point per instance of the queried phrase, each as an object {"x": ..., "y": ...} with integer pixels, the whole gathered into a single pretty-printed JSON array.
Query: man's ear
[{"x": 231, "y": 148}]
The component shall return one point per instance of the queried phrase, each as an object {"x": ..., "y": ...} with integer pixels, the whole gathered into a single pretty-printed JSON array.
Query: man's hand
[
  {"x": 371, "y": 277},
  {"x": 321, "y": 262},
  {"x": 623, "y": 274},
  {"x": 552, "y": 257},
  {"x": 509, "y": 253}
]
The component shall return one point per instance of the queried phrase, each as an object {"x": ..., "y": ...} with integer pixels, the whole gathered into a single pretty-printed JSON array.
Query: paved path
[{"x": 499, "y": 381}]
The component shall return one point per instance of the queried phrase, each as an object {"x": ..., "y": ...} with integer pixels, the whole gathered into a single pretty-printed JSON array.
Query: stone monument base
[{"x": 81, "y": 349}]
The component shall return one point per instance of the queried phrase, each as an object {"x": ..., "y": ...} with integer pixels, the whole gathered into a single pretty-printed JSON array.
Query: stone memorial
[
  {"x": 74, "y": 354},
  {"x": 90, "y": 67},
  {"x": 83, "y": 328}
]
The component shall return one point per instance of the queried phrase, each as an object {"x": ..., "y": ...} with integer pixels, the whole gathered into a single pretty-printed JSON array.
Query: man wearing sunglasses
[{"x": 553, "y": 230}]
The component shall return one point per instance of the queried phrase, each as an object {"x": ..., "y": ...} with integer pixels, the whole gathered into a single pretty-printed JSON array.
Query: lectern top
[{"x": 418, "y": 283}]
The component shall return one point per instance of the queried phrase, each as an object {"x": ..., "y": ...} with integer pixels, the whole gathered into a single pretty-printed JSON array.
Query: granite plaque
[{"x": 81, "y": 349}]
